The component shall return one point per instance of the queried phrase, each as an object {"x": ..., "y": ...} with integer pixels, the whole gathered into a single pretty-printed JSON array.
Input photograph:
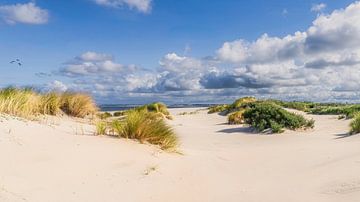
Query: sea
[{"x": 121, "y": 107}]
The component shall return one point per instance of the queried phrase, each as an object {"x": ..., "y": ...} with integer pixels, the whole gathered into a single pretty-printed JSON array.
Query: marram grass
[
  {"x": 144, "y": 126},
  {"x": 28, "y": 103}
]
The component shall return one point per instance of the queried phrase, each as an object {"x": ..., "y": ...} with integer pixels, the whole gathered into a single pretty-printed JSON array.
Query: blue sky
[{"x": 134, "y": 36}]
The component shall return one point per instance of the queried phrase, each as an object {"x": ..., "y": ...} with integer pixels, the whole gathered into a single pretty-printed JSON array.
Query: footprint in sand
[
  {"x": 6, "y": 195},
  {"x": 343, "y": 187}
]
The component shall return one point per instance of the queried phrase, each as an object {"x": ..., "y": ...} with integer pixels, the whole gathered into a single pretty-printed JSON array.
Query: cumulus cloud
[
  {"x": 319, "y": 56},
  {"x": 318, "y": 7},
  {"x": 92, "y": 63},
  {"x": 56, "y": 86},
  {"x": 321, "y": 63},
  {"x": 27, "y": 13},
  {"x": 141, "y": 5}
]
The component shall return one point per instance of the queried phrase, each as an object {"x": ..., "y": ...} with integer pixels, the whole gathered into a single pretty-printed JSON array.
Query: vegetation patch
[
  {"x": 156, "y": 107},
  {"x": 355, "y": 125},
  {"x": 218, "y": 109},
  {"x": 236, "y": 117},
  {"x": 265, "y": 115},
  {"x": 28, "y": 103},
  {"x": 143, "y": 126}
]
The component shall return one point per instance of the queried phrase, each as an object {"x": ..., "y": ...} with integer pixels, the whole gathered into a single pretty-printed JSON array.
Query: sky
[{"x": 188, "y": 51}]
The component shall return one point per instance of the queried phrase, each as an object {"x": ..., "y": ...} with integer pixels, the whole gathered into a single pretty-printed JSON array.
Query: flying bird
[{"x": 17, "y": 61}]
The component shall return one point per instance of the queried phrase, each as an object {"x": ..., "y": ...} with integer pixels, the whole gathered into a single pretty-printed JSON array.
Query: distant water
[{"x": 121, "y": 107}]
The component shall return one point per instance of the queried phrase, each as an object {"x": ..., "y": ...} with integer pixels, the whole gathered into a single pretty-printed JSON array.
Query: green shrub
[{"x": 266, "y": 115}]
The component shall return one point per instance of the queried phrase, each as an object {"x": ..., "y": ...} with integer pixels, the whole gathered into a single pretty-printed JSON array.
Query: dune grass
[
  {"x": 28, "y": 103},
  {"x": 144, "y": 126},
  {"x": 218, "y": 109},
  {"x": 355, "y": 125},
  {"x": 77, "y": 104},
  {"x": 156, "y": 107},
  {"x": 236, "y": 117}
]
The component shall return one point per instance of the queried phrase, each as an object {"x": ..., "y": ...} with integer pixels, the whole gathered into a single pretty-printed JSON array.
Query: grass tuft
[
  {"x": 28, "y": 103},
  {"x": 145, "y": 126},
  {"x": 355, "y": 125}
]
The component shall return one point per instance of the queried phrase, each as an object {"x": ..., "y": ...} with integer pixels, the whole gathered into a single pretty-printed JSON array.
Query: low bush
[{"x": 265, "y": 115}]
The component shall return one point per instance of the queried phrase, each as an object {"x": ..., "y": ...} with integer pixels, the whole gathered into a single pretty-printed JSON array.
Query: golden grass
[
  {"x": 143, "y": 126},
  {"x": 236, "y": 117},
  {"x": 28, "y": 103},
  {"x": 78, "y": 104}
]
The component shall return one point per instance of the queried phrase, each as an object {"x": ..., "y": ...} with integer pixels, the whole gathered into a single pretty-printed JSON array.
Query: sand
[{"x": 61, "y": 160}]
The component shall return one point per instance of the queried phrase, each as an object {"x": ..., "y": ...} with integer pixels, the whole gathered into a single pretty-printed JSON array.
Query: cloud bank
[{"x": 321, "y": 63}]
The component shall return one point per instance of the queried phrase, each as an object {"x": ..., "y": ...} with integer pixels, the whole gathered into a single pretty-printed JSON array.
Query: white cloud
[
  {"x": 27, "y": 13},
  {"x": 141, "y": 5},
  {"x": 92, "y": 63},
  {"x": 318, "y": 7},
  {"x": 56, "y": 86},
  {"x": 323, "y": 60}
]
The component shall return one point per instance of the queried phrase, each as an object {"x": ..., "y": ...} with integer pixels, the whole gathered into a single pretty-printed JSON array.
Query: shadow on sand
[
  {"x": 343, "y": 135},
  {"x": 246, "y": 130}
]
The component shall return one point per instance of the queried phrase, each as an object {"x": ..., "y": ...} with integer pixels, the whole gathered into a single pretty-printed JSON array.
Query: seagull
[{"x": 17, "y": 61}]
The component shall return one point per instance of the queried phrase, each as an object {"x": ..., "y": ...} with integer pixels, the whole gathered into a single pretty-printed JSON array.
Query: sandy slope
[{"x": 60, "y": 160}]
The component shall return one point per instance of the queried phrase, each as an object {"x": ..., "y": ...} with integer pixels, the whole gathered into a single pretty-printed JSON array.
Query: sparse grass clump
[
  {"x": 265, "y": 115},
  {"x": 156, "y": 107},
  {"x": 355, "y": 125},
  {"x": 119, "y": 113},
  {"x": 236, "y": 117},
  {"x": 241, "y": 102},
  {"x": 146, "y": 127},
  {"x": 101, "y": 128},
  {"x": 28, "y": 103},
  {"x": 218, "y": 109},
  {"x": 104, "y": 115}
]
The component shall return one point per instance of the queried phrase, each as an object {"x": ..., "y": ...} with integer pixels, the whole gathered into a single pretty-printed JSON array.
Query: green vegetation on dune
[
  {"x": 236, "y": 117},
  {"x": 265, "y": 115},
  {"x": 145, "y": 124},
  {"x": 218, "y": 108},
  {"x": 355, "y": 125},
  {"x": 28, "y": 103},
  {"x": 156, "y": 107}
]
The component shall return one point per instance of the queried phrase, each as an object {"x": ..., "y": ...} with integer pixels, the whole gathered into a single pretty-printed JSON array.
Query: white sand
[{"x": 62, "y": 161}]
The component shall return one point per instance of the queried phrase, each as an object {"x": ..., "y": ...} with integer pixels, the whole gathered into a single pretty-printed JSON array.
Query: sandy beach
[{"x": 60, "y": 159}]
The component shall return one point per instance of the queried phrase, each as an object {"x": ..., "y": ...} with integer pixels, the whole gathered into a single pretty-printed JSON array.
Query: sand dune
[{"x": 61, "y": 160}]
